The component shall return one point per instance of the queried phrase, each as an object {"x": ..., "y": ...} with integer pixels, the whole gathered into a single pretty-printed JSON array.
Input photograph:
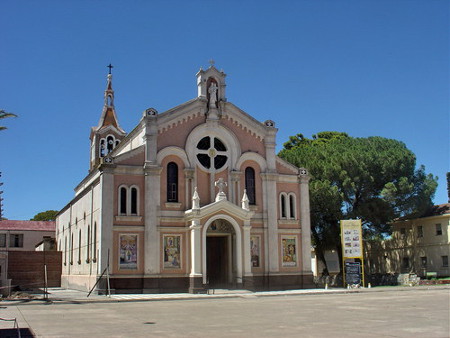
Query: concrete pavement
[{"x": 70, "y": 313}]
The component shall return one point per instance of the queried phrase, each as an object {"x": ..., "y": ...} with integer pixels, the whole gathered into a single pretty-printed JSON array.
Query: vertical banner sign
[{"x": 352, "y": 250}]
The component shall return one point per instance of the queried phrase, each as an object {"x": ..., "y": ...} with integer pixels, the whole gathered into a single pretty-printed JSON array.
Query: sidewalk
[{"x": 59, "y": 295}]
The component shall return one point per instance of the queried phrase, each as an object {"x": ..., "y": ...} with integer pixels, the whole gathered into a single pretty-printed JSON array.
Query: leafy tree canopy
[
  {"x": 374, "y": 179},
  {"x": 49, "y": 215}
]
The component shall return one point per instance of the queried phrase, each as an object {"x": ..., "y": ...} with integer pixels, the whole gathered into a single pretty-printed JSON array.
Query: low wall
[{"x": 26, "y": 268}]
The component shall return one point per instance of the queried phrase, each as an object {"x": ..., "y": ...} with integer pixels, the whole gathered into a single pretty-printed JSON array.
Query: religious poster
[
  {"x": 128, "y": 252},
  {"x": 289, "y": 251},
  {"x": 255, "y": 245},
  {"x": 351, "y": 238},
  {"x": 172, "y": 252}
]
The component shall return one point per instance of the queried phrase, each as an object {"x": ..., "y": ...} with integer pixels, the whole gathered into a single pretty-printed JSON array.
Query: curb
[{"x": 120, "y": 298}]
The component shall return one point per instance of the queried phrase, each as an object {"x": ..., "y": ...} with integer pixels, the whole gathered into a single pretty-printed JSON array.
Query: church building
[{"x": 192, "y": 198}]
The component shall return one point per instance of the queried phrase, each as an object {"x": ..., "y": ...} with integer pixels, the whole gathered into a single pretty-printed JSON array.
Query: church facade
[{"x": 191, "y": 198}]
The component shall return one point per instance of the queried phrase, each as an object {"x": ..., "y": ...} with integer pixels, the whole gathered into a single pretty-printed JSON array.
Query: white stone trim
[
  {"x": 175, "y": 151},
  {"x": 126, "y": 218},
  {"x": 129, "y": 154},
  {"x": 244, "y": 121},
  {"x": 226, "y": 136},
  {"x": 251, "y": 156},
  {"x": 287, "y": 165},
  {"x": 238, "y": 233}
]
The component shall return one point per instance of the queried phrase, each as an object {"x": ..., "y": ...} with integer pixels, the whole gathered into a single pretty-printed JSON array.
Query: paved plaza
[{"x": 376, "y": 312}]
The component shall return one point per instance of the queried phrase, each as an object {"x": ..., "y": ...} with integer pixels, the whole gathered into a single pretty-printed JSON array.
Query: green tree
[
  {"x": 374, "y": 179},
  {"x": 49, "y": 215},
  {"x": 3, "y": 115}
]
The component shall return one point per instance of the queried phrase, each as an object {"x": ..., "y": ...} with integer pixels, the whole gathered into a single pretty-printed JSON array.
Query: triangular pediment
[{"x": 220, "y": 206}]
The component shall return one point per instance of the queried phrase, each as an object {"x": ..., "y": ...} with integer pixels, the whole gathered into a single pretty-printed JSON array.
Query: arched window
[
  {"x": 79, "y": 247},
  {"x": 102, "y": 148},
  {"x": 71, "y": 249},
  {"x": 110, "y": 143},
  {"x": 94, "y": 243},
  {"x": 172, "y": 182},
  {"x": 65, "y": 250},
  {"x": 128, "y": 200},
  {"x": 292, "y": 208},
  {"x": 288, "y": 204},
  {"x": 134, "y": 201},
  {"x": 88, "y": 246},
  {"x": 250, "y": 184},
  {"x": 283, "y": 205},
  {"x": 123, "y": 200}
]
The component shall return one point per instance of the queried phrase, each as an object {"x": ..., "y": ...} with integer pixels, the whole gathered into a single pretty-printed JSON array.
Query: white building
[{"x": 417, "y": 246}]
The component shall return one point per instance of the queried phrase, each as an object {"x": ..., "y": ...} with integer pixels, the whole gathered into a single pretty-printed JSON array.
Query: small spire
[
  {"x": 245, "y": 201},
  {"x": 211, "y": 63},
  {"x": 109, "y": 92},
  {"x": 195, "y": 200}
]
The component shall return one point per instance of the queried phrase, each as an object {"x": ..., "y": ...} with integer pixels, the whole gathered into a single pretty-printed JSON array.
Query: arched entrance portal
[
  {"x": 220, "y": 248},
  {"x": 222, "y": 261}
]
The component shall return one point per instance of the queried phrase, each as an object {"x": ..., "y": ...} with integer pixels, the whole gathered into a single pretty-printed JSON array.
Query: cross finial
[
  {"x": 110, "y": 66},
  {"x": 211, "y": 62}
]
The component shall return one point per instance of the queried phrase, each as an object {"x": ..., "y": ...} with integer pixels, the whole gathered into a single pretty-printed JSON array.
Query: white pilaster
[
  {"x": 152, "y": 205},
  {"x": 106, "y": 220},
  {"x": 270, "y": 144},
  {"x": 247, "y": 250},
  {"x": 196, "y": 246},
  {"x": 272, "y": 223},
  {"x": 305, "y": 220}
]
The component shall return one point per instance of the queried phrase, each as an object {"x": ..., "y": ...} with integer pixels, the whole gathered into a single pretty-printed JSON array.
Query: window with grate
[
  {"x": 212, "y": 153},
  {"x": 250, "y": 184},
  {"x": 172, "y": 182},
  {"x": 16, "y": 240}
]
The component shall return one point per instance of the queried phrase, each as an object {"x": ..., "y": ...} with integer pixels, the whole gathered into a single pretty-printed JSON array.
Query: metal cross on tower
[{"x": 110, "y": 66}]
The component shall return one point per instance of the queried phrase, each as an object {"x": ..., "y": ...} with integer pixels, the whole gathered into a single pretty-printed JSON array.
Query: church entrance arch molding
[{"x": 237, "y": 247}]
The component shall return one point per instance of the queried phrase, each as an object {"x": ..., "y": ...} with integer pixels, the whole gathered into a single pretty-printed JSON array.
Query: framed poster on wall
[
  {"x": 172, "y": 251},
  {"x": 289, "y": 251},
  {"x": 128, "y": 254}
]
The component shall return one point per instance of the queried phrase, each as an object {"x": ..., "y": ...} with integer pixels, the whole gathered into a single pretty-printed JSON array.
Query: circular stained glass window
[{"x": 212, "y": 153}]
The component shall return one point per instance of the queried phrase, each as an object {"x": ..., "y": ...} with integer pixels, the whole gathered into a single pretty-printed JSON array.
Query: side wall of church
[{"x": 78, "y": 237}]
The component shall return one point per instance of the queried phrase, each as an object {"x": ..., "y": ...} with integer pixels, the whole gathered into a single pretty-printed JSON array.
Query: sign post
[{"x": 352, "y": 252}]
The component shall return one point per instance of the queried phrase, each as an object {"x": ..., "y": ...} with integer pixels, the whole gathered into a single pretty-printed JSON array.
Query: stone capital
[{"x": 152, "y": 169}]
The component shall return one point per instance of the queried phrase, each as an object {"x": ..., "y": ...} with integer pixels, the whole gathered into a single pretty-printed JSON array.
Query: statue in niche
[
  {"x": 212, "y": 94},
  {"x": 221, "y": 184}
]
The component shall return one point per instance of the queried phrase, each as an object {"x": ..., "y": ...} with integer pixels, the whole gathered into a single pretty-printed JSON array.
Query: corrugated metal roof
[{"x": 28, "y": 225}]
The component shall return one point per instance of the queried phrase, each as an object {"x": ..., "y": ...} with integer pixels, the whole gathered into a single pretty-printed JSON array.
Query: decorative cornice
[
  {"x": 287, "y": 165},
  {"x": 222, "y": 205},
  {"x": 129, "y": 154},
  {"x": 244, "y": 121},
  {"x": 126, "y": 218}
]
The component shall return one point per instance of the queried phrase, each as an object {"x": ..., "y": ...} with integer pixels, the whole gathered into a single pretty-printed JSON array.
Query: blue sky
[{"x": 369, "y": 68}]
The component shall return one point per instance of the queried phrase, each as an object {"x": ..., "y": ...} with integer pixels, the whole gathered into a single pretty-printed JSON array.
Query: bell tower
[
  {"x": 108, "y": 133},
  {"x": 216, "y": 79}
]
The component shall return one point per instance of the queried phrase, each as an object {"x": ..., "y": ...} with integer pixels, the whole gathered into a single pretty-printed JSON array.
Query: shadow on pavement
[{"x": 13, "y": 333}]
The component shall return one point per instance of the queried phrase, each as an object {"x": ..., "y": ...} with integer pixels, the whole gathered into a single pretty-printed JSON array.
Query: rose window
[{"x": 211, "y": 153}]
